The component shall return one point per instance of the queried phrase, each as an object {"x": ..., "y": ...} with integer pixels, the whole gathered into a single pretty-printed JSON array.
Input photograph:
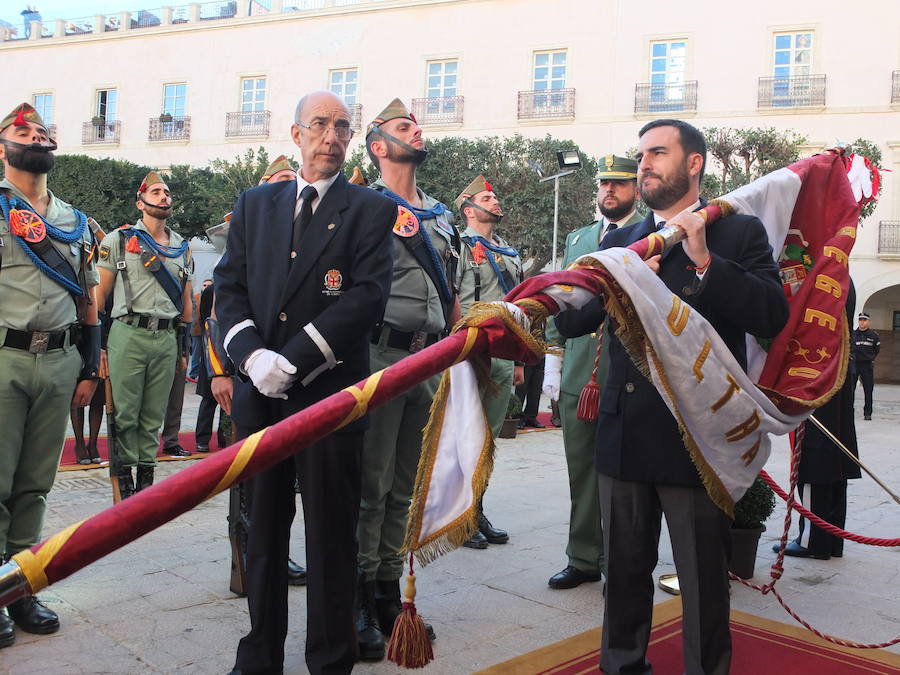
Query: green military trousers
[
  {"x": 35, "y": 397},
  {"x": 390, "y": 459},
  {"x": 141, "y": 368},
  {"x": 585, "y": 548},
  {"x": 496, "y": 403}
]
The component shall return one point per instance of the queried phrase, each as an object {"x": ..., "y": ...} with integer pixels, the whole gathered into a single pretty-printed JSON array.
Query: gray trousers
[{"x": 701, "y": 543}]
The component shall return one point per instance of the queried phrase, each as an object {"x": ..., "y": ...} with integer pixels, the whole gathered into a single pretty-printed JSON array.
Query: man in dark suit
[
  {"x": 728, "y": 274},
  {"x": 305, "y": 276}
]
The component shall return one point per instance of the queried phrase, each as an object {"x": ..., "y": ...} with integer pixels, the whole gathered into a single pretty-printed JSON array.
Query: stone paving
[{"x": 162, "y": 604}]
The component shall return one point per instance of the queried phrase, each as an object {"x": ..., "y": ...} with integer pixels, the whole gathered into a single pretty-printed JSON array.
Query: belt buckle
[
  {"x": 153, "y": 323},
  {"x": 417, "y": 343},
  {"x": 40, "y": 340}
]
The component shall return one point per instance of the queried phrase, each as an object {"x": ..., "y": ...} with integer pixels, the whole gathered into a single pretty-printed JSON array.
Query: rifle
[{"x": 238, "y": 527}]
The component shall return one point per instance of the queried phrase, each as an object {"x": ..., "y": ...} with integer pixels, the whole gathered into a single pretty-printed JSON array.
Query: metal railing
[
  {"x": 538, "y": 104},
  {"x": 788, "y": 92},
  {"x": 355, "y": 116},
  {"x": 247, "y": 123},
  {"x": 210, "y": 11},
  {"x": 169, "y": 128},
  {"x": 895, "y": 87},
  {"x": 889, "y": 237},
  {"x": 147, "y": 18},
  {"x": 107, "y": 131},
  {"x": 439, "y": 109},
  {"x": 650, "y": 98},
  {"x": 51, "y": 131},
  {"x": 79, "y": 26}
]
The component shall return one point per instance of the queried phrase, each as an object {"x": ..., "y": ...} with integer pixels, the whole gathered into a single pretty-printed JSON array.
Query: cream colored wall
[{"x": 390, "y": 42}]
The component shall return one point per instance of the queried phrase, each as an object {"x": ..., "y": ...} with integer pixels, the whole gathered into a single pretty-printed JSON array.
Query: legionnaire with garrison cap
[
  {"x": 147, "y": 267},
  {"x": 488, "y": 269},
  {"x": 421, "y": 308},
  {"x": 279, "y": 169},
  {"x": 616, "y": 198},
  {"x": 49, "y": 341}
]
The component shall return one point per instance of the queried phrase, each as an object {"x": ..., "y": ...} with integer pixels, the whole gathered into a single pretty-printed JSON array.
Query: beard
[
  {"x": 405, "y": 155},
  {"x": 27, "y": 158},
  {"x": 616, "y": 212},
  {"x": 668, "y": 192},
  {"x": 158, "y": 212}
]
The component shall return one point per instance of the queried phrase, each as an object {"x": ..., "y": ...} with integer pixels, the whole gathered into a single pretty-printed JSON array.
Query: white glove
[
  {"x": 552, "y": 376},
  {"x": 860, "y": 178},
  {"x": 271, "y": 373}
]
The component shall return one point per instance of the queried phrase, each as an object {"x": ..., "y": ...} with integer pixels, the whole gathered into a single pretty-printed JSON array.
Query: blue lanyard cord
[
  {"x": 502, "y": 250},
  {"x": 75, "y": 289},
  {"x": 423, "y": 215},
  {"x": 160, "y": 249},
  {"x": 65, "y": 236}
]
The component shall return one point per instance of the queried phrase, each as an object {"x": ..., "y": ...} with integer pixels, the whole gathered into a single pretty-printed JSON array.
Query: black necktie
[
  {"x": 661, "y": 225},
  {"x": 301, "y": 222}
]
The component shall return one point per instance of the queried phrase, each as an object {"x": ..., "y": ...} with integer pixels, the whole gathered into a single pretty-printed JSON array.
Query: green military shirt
[
  {"x": 29, "y": 299},
  {"x": 490, "y": 289},
  {"x": 578, "y": 361},
  {"x": 414, "y": 303},
  {"x": 148, "y": 295}
]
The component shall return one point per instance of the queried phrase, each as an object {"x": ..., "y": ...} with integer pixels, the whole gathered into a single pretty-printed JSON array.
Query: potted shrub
[
  {"x": 165, "y": 117},
  {"x": 513, "y": 413},
  {"x": 750, "y": 514},
  {"x": 98, "y": 121}
]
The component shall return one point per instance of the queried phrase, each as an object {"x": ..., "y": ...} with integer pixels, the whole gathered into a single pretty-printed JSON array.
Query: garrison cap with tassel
[
  {"x": 480, "y": 184},
  {"x": 280, "y": 163},
  {"x": 394, "y": 109},
  {"x": 149, "y": 181},
  {"x": 21, "y": 115}
]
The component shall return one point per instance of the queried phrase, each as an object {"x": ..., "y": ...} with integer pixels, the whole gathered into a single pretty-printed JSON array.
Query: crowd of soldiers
[{"x": 322, "y": 281}]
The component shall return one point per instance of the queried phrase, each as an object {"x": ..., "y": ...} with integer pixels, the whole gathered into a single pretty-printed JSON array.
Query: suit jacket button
[
  {"x": 629, "y": 387},
  {"x": 282, "y": 317},
  {"x": 293, "y": 254}
]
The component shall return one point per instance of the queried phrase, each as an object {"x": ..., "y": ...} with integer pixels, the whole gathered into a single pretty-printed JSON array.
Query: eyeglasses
[{"x": 319, "y": 128}]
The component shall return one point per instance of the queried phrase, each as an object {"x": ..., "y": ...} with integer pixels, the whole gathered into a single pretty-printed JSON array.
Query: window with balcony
[
  {"x": 104, "y": 126},
  {"x": 344, "y": 82},
  {"x": 793, "y": 82},
  {"x": 253, "y": 118},
  {"x": 549, "y": 96},
  {"x": 667, "y": 90},
  {"x": 43, "y": 103},
  {"x": 441, "y": 104},
  {"x": 172, "y": 124}
]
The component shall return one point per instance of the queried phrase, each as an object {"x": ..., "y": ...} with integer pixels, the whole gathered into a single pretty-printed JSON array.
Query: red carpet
[
  {"x": 185, "y": 438},
  {"x": 543, "y": 418},
  {"x": 760, "y": 646}
]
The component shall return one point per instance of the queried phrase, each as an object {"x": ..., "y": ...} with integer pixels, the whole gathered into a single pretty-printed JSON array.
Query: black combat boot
[
  {"x": 371, "y": 641},
  {"x": 126, "y": 482},
  {"x": 32, "y": 616},
  {"x": 144, "y": 478},
  {"x": 7, "y": 629},
  {"x": 389, "y": 605}
]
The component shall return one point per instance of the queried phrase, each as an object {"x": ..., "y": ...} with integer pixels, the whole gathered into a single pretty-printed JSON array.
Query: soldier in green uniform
[
  {"x": 147, "y": 268},
  {"x": 421, "y": 308},
  {"x": 49, "y": 341},
  {"x": 616, "y": 199},
  {"x": 488, "y": 269}
]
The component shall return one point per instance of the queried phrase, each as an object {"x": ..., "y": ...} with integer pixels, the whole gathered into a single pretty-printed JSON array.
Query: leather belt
[
  {"x": 412, "y": 342},
  {"x": 38, "y": 342},
  {"x": 149, "y": 322}
]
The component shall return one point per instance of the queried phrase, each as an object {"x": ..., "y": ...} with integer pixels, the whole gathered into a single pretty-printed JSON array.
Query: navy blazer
[
  {"x": 335, "y": 291},
  {"x": 637, "y": 436}
]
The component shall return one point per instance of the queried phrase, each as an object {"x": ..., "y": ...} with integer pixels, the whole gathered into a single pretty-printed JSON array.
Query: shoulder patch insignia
[
  {"x": 444, "y": 224},
  {"x": 104, "y": 252},
  {"x": 406, "y": 224}
]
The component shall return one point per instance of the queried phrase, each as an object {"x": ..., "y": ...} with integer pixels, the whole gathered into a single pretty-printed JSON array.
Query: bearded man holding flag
[{"x": 727, "y": 273}]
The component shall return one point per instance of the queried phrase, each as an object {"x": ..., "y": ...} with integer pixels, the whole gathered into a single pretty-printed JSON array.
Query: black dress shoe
[
  {"x": 7, "y": 630},
  {"x": 32, "y": 616},
  {"x": 533, "y": 422},
  {"x": 176, "y": 451},
  {"x": 296, "y": 574},
  {"x": 571, "y": 577},
  {"x": 477, "y": 541},
  {"x": 491, "y": 533},
  {"x": 202, "y": 448},
  {"x": 795, "y": 550}
]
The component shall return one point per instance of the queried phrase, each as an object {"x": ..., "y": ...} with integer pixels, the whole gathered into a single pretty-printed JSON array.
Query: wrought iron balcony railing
[
  {"x": 355, "y": 116},
  {"x": 101, "y": 131},
  {"x": 169, "y": 128},
  {"x": 247, "y": 123},
  {"x": 889, "y": 237},
  {"x": 546, "y": 103},
  {"x": 649, "y": 98},
  {"x": 791, "y": 92},
  {"x": 439, "y": 109}
]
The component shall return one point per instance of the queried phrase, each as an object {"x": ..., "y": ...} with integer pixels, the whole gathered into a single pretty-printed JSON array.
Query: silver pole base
[{"x": 13, "y": 584}]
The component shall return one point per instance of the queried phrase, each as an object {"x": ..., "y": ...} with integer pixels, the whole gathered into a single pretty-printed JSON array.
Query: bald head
[{"x": 317, "y": 98}]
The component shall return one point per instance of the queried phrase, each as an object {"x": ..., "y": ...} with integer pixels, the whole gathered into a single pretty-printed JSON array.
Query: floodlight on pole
[{"x": 569, "y": 162}]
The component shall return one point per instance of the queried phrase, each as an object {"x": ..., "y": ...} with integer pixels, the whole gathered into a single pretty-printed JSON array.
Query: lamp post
[{"x": 569, "y": 162}]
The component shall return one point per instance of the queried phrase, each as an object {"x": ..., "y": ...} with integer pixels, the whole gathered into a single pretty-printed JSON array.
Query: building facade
[{"x": 188, "y": 84}]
